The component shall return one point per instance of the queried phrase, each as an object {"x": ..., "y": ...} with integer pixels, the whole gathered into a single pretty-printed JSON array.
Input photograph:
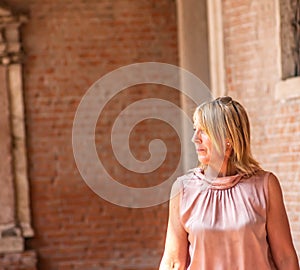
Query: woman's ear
[
  {"x": 228, "y": 149},
  {"x": 227, "y": 143}
]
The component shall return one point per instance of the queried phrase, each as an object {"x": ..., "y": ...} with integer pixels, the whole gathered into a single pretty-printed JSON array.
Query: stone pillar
[
  {"x": 7, "y": 196},
  {"x": 194, "y": 57},
  {"x": 193, "y": 37},
  {"x": 14, "y": 192},
  {"x": 18, "y": 132}
]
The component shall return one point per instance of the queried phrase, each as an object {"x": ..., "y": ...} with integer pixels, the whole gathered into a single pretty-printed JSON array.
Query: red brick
[{"x": 69, "y": 45}]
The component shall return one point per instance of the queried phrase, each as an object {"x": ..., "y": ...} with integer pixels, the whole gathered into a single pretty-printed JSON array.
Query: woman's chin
[{"x": 204, "y": 161}]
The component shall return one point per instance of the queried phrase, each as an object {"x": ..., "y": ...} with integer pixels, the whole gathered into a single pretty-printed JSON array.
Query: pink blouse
[{"x": 225, "y": 219}]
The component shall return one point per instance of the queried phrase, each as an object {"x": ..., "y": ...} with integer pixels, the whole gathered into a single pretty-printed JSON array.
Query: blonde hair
[{"x": 225, "y": 120}]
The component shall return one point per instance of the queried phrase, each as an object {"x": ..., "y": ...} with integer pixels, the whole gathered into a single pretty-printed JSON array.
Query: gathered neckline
[{"x": 224, "y": 182}]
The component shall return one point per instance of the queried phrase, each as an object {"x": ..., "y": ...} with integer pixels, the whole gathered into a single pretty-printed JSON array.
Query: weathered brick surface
[
  {"x": 251, "y": 59},
  {"x": 69, "y": 45},
  {"x": 18, "y": 261}
]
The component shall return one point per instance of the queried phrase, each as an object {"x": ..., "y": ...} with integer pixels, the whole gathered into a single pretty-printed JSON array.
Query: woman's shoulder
[
  {"x": 259, "y": 174},
  {"x": 182, "y": 180},
  {"x": 264, "y": 178},
  {"x": 187, "y": 176}
]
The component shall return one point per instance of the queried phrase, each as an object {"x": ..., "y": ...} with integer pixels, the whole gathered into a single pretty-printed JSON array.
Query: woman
[{"x": 228, "y": 213}]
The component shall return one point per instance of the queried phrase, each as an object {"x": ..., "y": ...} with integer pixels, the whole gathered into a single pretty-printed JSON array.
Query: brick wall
[
  {"x": 252, "y": 71},
  {"x": 18, "y": 261},
  {"x": 69, "y": 45}
]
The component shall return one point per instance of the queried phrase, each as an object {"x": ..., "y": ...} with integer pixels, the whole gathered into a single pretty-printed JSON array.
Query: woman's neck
[{"x": 227, "y": 169}]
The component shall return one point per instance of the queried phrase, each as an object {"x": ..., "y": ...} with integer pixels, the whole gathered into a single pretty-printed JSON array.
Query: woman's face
[{"x": 203, "y": 144}]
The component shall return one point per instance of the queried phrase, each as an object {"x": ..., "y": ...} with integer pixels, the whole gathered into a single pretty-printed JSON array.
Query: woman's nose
[{"x": 196, "y": 137}]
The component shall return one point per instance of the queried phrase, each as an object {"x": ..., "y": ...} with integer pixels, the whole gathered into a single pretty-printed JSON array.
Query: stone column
[
  {"x": 7, "y": 196},
  {"x": 14, "y": 191},
  {"x": 194, "y": 57},
  {"x": 19, "y": 152}
]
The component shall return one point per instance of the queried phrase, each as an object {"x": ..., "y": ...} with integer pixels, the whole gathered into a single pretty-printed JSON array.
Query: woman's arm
[
  {"x": 175, "y": 253},
  {"x": 278, "y": 229}
]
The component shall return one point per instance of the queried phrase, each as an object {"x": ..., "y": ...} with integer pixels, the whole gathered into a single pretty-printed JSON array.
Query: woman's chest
[{"x": 228, "y": 209}]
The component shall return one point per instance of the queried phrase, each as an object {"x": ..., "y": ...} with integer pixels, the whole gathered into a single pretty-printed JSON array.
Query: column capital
[{"x": 10, "y": 44}]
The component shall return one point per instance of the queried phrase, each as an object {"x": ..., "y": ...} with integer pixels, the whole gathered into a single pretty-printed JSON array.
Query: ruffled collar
[{"x": 219, "y": 182}]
